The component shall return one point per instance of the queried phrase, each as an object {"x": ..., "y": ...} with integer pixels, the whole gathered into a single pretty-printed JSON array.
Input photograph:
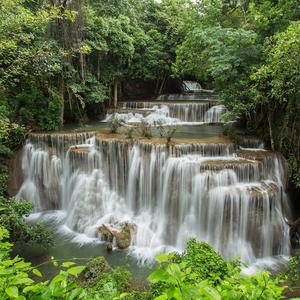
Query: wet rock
[
  {"x": 109, "y": 247},
  {"x": 295, "y": 234},
  {"x": 123, "y": 237}
]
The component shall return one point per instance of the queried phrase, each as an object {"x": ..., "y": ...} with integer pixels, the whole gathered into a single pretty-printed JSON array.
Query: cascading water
[
  {"x": 230, "y": 197},
  {"x": 170, "y": 113}
]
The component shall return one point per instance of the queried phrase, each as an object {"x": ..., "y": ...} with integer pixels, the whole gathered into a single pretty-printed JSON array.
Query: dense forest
[{"x": 69, "y": 61}]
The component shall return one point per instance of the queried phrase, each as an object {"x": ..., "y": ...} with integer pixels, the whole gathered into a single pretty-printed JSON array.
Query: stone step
[
  {"x": 142, "y": 111},
  {"x": 255, "y": 190}
]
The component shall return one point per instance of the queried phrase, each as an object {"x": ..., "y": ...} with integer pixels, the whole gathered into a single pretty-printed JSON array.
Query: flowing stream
[{"x": 230, "y": 195}]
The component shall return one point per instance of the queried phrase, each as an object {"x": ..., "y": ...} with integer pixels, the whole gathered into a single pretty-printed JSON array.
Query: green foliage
[
  {"x": 115, "y": 123},
  {"x": 166, "y": 132},
  {"x": 145, "y": 129},
  {"x": 11, "y": 134},
  {"x": 201, "y": 273},
  {"x": 12, "y": 213},
  {"x": 292, "y": 272},
  {"x": 101, "y": 281},
  {"x": 205, "y": 262},
  {"x": 250, "y": 50},
  {"x": 294, "y": 171},
  {"x": 16, "y": 278},
  {"x": 129, "y": 131},
  {"x": 35, "y": 109},
  {"x": 94, "y": 269},
  {"x": 3, "y": 181}
]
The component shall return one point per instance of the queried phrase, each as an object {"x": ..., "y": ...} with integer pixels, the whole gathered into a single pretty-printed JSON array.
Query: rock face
[
  {"x": 123, "y": 237},
  {"x": 295, "y": 234}
]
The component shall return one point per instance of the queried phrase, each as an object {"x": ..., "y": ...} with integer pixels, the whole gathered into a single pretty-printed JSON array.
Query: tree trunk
[
  {"x": 115, "y": 94},
  {"x": 271, "y": 131},
  {"x": 98, "y": 67},
  {"x": 62, "y": 91},
  {"x": 162, "y": 84},
  {"x": 82, "y": 66}
]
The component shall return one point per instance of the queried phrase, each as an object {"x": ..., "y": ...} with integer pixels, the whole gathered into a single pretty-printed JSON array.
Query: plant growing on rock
[
  {"x": 115, "y": 123},
  {"x": 166, "y": 132},
  {"x": 129, "y": 132},
  {"x": 146, "y": 129}
]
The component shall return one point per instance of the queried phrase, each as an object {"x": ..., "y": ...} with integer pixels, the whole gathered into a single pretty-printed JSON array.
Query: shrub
[
  {"x": 11, "y": 135},
  {"x": 166, "y": 132},
  {"x": 102, "y": 280},
  {"x": 145, "y": 129},
  {"x": 12, "y": 213},
  {"x": 292, "y": 272},
  {"x": 115, "y": 123},
  {"x": 16, "y": 278},
  {"x": 201, "y": 273},
  {"x": 129, "y": 132}
]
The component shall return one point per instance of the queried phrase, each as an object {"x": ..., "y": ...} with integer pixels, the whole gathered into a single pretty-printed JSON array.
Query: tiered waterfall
[{"x": 230, "y": 195}]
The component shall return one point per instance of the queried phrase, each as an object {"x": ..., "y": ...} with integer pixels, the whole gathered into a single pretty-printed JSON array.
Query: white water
[
  {"x": 172, "y": 114},
  {"x": 204, "y": 190}
]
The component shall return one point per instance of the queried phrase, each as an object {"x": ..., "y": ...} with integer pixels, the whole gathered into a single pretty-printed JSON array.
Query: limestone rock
[{"x": 122, "y": 237}]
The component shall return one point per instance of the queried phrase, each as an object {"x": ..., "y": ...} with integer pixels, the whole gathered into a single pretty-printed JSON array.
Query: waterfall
[
  {"x": 170, "y": 113},
  {"x": 232, "y": 198}
]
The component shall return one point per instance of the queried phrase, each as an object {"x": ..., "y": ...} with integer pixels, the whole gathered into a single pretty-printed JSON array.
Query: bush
[
  {"x": 129, "y": 131},
  {"x": 11, "y": 135},
  {"x": 292, "y": 272},
  {"x": 145, "y": 129},
  {"x": 12, "y": 213},
  {"x": 294, "y": 171},
  {"x": 115, "y": 123},
  {"x": 201, "y": 273},
  {"x": 40, "y": 110},
  {"x": 207, "y": 264},
  {"x": 166, "y": 132},
  {"x": 16, "y": 278}
]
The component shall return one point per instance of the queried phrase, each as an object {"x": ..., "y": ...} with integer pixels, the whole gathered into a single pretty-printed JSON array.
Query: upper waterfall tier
[
  {"x": 170, "y": 113},
  {"x": 231, "y": 197},
  {"x": 188, "y": 96}
]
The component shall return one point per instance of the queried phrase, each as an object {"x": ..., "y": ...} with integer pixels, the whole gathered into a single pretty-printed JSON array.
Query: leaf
[
  {"x": 74, "y": 294},
  {"x": 24, "y": 281},
  {"x": 12, "y": 291},
  {"x": 158, "y": 275},
  {"x": 37, "y": 272},
  {"x": 76, "y": 270},
  {"x": 161, "y": 297},
  {"x": 162, "y": 258},
  {"x": 68, "y": 264}
]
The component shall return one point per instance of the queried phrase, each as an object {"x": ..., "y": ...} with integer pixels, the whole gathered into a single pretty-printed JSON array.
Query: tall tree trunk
[
  {"x": 98, "y": 66},
  {"x": 82, "y": 66},
  {"x": 62, "y": 91},
  {"x": 271, "y": 131},
  {"x": 115, "y": 93},
  {"x": 162, "y": 84}
]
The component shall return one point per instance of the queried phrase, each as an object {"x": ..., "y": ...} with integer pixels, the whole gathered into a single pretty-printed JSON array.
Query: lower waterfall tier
[{"x": 230, "y": 196}]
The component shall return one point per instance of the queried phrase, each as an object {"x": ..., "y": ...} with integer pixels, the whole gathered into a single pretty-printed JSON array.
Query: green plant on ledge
[
  {"x": 115, "y": 123},
  {"x": 145, "y": 129}
]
